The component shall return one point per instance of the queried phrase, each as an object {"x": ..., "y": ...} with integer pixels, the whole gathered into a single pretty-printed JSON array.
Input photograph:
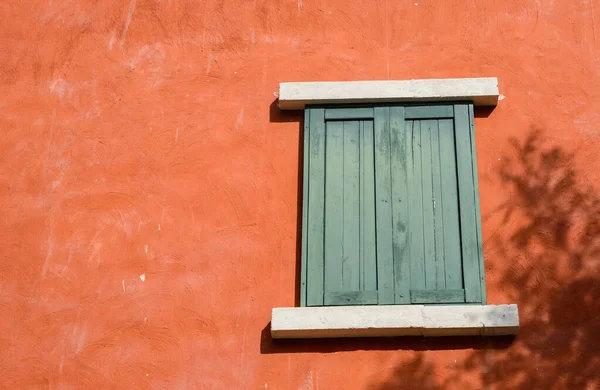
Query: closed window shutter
[
  {"x": 340, "y": 215},
  {"x": 390, "y": 212}
]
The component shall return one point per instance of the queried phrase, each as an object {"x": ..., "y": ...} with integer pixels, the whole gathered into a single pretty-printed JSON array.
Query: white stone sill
[
  {"x": 482, "y": 91},
  {"x": 396, "y": 320}
]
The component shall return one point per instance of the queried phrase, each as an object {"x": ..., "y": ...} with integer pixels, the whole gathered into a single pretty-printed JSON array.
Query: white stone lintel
[
  {"x": 482, "y": 91},
  {"x": 396, "y": 320}
]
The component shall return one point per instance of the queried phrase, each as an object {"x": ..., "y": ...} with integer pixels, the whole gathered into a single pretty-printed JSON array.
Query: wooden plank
[
  {"x": 351, "y": 207},
  {"x": 429, "y": 112},
  {"x": 400, "y": 205},
  {"x": 427, "y": 194},
  {"x": 466, "y": 194},
  {"x": 368, "y": 256},
  {"x": 437, "y": 296},
  {"x": 349, "y": 113},
  {"x": 477, "y": 205},
  {"x": 438, "y": 221},
  {"x": 334, "y": 206},
  {"x": 383, "y": 207},
  {"x": 449, "y": 206},
  {"x": 409, "y": 134},
  {"x": 305, "y": 184},
  {"x": 415, "y": 214},
  {"x": 316, "y": 206},
  {"x": 342, "y": 298}
]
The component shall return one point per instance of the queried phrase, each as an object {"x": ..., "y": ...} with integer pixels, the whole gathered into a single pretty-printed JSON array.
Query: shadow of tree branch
[{"x": 548, "y": 262}]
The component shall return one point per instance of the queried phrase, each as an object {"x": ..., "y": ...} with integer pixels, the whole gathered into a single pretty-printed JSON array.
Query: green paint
[
  {"x": 305, "y": 184},
  {"x": 351, "y": 200},
  {"x": 449, "y": 207},
  {"x": 438, "y": 197},
  {"x": 417, "y": 248},
  {"x": 477, "y": 205},
  {"x": 427, "y": 194},
  {"x": 400, "y": 204},
  {"x": 349, "y": 261},
  {"x": 334, "y": 205},
  {"x": 391, "y": 209},
  {"x": 429, "y": 112},
  {"x": 437, "y": 296},
  {"x": 367, "y": 209},
  {"x": 349, "y": 113},
  {"x": 316, "y": 207},
  {"x": 466, "y": 192},
  {"x": 383, "y": 207},
  {"x": 341, "y": 298}
]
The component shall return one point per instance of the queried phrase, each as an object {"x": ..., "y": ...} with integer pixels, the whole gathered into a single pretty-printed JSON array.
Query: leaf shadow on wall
[{"x": 546, "y": 254}]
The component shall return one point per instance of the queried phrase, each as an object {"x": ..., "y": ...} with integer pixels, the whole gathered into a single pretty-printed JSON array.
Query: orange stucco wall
[{"x": 149, "y": 189}]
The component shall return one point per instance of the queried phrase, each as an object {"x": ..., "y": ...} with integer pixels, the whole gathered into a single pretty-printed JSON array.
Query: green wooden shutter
[
  {"x": 391, "y": 210},
  {"x": 444, "y": 235},
  {"x": 339, "y": 251}
]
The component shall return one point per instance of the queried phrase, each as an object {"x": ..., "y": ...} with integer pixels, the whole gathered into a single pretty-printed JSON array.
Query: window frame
[{"x": 469, "y": 125}]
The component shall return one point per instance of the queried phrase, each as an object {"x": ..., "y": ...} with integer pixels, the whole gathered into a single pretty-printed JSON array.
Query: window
[
  {"x": 391, "y": 235},
  {"x": 391, "y": 206}
]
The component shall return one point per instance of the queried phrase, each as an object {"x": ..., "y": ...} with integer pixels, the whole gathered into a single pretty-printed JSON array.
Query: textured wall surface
[{"x": 149, "y": 189}]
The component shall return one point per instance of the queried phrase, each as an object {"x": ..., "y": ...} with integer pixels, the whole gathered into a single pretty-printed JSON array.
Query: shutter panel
[
  {"x": 315, "y": 206},
  {"x": 443, "y": 234},
  {"x": 340, "y": 242},
  {"x": 472, "y": 252},
  {"x": 434, "y": 243}
]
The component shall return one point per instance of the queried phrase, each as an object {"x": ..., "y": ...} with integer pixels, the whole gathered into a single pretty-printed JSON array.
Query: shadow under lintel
[
  {"x": 483, "y": 111},
  {"x": 276, "y": 115},
  {"x": 268, "y": 345}
]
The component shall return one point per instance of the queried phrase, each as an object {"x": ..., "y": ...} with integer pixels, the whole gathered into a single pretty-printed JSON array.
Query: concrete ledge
[
  {"x": 397, "y": 320},
  {"x": 481, "y": 91}
]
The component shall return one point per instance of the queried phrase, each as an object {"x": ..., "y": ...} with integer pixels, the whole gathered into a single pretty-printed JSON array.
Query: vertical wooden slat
[
  {"x": 383, "y": 207},
  {"x": 427, "y": 188},
  {"x": 305, "y": 184},
  {"x": 449, "y": 206},
  {"x": 438, "y": 217},
  {"x": 334, "y": 206},
  {"x": 367, "y": 205},
  {"x": 410, "y": 213},
  {"x": 477, "y": 205},
  {"x": 400, "y": 205},
  {"x": 417, "y": 265},
  {"x": 316, "y": 199},
  {"x": 351, "y": 201},
  {"x": 361, "y": 209},
  {"x": 466, "y": 194}
]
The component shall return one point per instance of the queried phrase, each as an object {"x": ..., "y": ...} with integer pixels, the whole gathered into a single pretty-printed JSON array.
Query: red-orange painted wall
[{"x": 149, "y": 189}]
